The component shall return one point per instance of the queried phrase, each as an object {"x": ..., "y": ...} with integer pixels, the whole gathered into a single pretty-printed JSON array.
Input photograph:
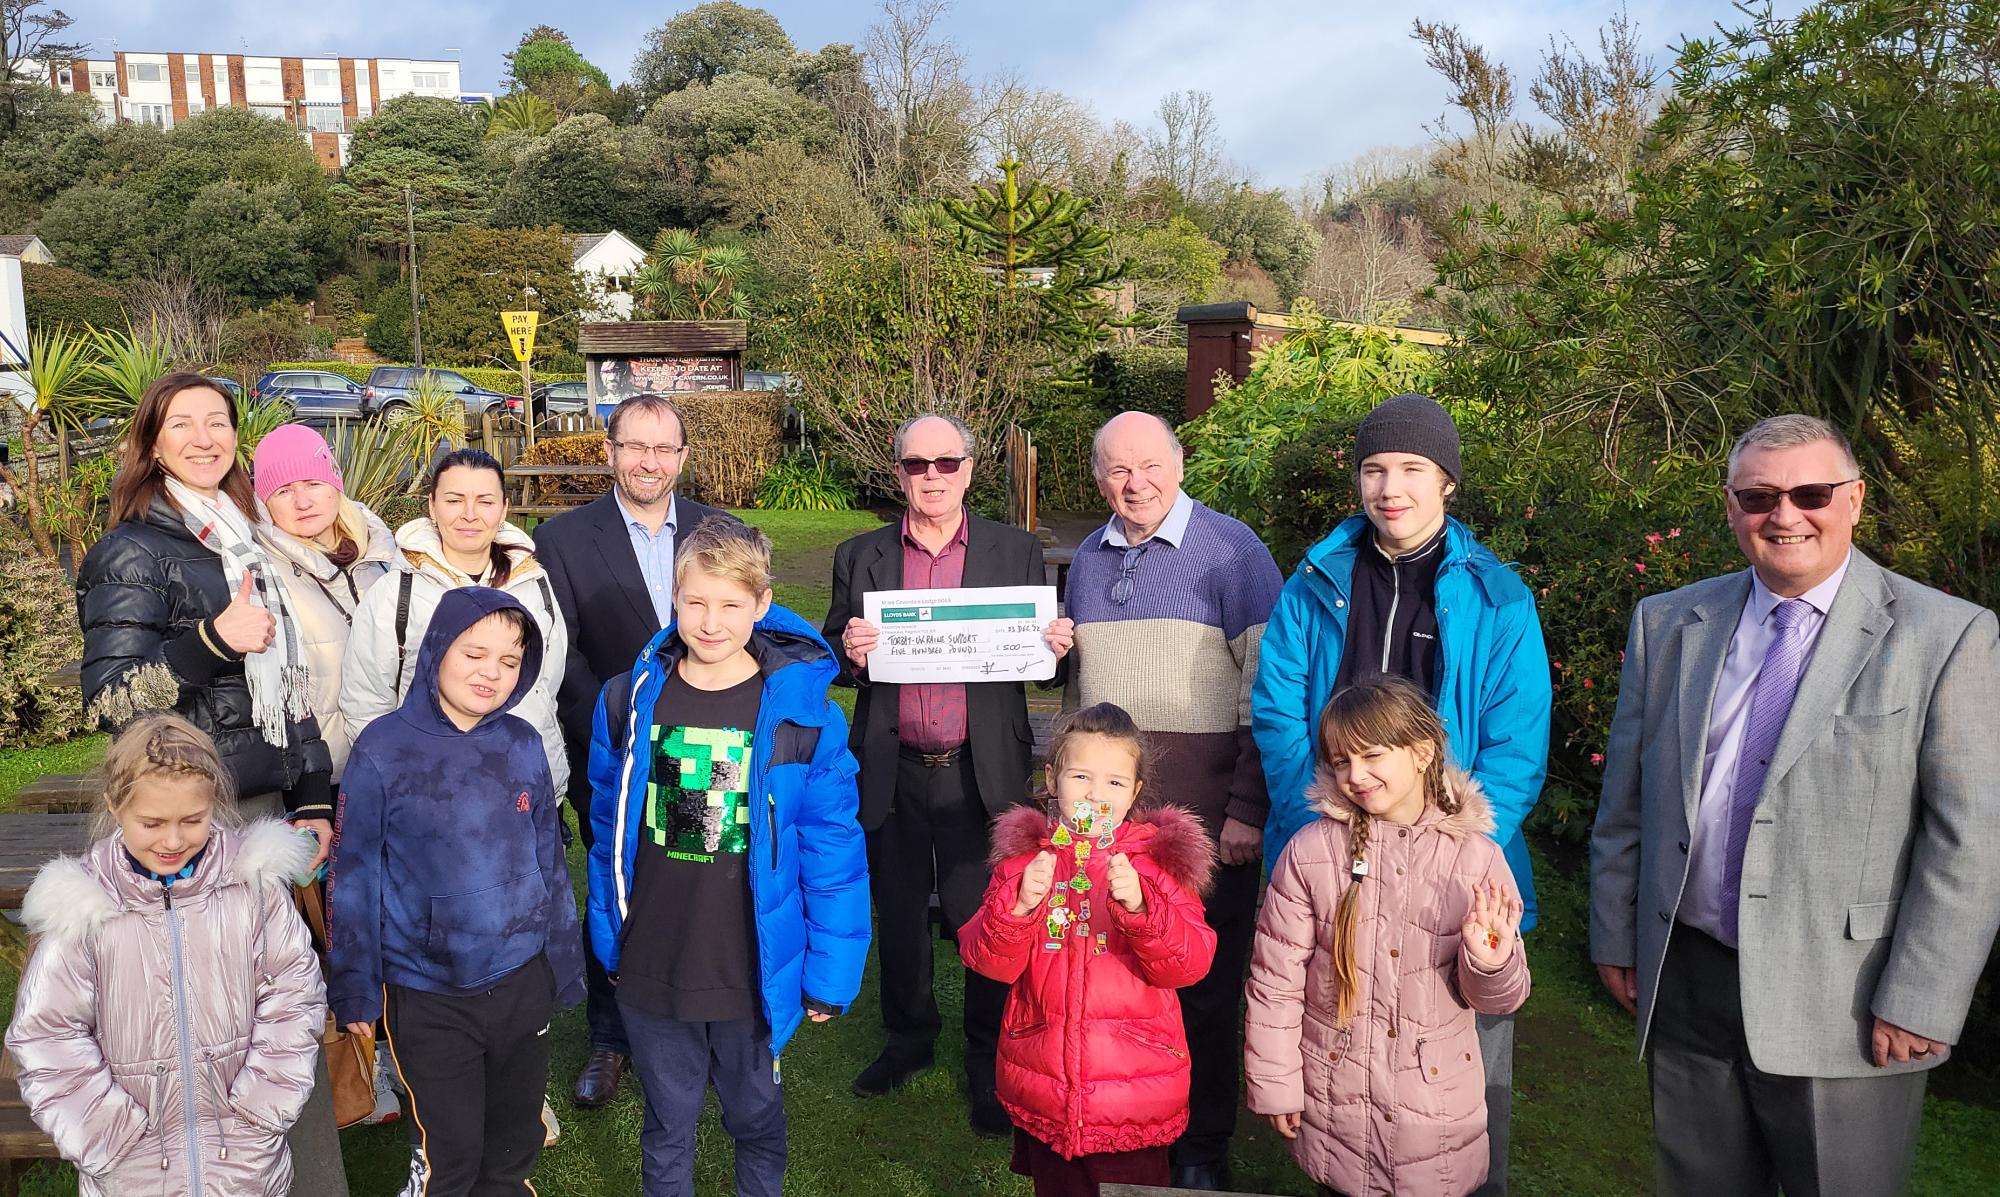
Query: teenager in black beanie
[{"x": 1405, "y": 589}]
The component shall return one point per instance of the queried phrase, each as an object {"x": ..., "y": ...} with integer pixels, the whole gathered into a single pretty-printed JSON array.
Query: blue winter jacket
[
  {"x": 808, "y": 863},
  {"x": 447, "y": 872},
  {"x": 1493, "y": 683}
]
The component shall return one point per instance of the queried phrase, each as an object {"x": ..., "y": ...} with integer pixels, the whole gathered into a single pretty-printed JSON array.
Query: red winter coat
[{"x": 1092, "y": 1055}]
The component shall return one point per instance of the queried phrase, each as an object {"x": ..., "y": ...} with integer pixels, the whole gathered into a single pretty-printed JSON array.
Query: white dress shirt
[{"x": 1701, "y": 899}]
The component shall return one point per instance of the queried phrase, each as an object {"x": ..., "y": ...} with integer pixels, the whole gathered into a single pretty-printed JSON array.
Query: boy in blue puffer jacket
[
  {"x": 452, "y": 917},
  {"x": 728, "y": 880}
]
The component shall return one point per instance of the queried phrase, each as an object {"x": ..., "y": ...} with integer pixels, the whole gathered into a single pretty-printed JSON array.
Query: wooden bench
[
  {"x": 59, "y": 792},
  {"x": 21, "y": 1141},
  {"x": 27, "y": 842},
  {"x": 532, "y": 483}
]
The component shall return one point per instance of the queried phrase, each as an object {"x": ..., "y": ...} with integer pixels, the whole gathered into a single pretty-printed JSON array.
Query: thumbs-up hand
[
  {"x": 1124, "y": 882},
  {"x": 1035, "y": 882},
  {"x": 243, "y": 625}
]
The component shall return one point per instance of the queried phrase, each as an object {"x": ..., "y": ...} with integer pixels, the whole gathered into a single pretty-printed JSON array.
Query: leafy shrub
[
  {"x": 340, "y": 297},
  {"x": 389, "y": 328},
  {"x": 586, "y": 448},
  {"x": 54, "y": 295},
  {"x": 806, "y": 482},
  {"x": 1322, "y": 372},
  {"x": 1315, "y": 474},
  {"x": 38, "y": 636},
  {"x": 733, "y": 438},
  {"x": 1062, "y": 421},
  {"x": 1148, "y": 378},
  {"x": 278, "y": 331}
]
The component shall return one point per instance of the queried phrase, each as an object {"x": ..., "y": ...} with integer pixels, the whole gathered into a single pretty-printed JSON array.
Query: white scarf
[{"x": 280, "y": 687}]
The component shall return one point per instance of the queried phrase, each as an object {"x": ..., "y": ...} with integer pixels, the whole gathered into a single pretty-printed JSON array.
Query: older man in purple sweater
[{"x": 1170, "y": 599}]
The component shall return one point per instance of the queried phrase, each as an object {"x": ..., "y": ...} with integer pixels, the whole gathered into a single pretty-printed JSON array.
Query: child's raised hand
[
  {"x": 1124, "y": 882},
  {"x": 1285, "y": 1124},
  {"x": 1035, "y": 881},
  {"x": 1492, "y": 925}
]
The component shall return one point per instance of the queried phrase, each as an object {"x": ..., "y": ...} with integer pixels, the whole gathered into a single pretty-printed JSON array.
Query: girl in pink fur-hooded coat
[{"x": 1389, "y": 922}]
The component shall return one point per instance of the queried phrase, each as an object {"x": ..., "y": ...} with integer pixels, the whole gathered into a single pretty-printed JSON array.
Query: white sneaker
[
  {"x": 387, "y": 1108},
  {"x": 551, "y": 1129}
]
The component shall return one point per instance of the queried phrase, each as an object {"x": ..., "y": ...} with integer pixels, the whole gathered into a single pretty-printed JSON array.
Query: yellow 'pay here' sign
[{"x": 521, "y": 332}]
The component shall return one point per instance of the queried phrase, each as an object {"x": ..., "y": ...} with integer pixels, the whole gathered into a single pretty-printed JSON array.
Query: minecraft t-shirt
[{"x": 690, "y": 940}]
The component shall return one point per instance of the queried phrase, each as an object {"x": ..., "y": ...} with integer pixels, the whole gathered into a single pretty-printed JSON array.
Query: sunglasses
[
  {"x": 1761, "y": 500},
  {"x": 916, "y": 467}
]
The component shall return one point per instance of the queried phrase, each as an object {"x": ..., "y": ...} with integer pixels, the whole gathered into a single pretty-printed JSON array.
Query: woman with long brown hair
[{"x": 183, "y": 612}]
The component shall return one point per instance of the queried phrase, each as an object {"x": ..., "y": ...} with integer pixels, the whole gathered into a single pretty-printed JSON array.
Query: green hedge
[
  {"x": 507, "y": 382},
  {"x": 1143, "y": 378},
  {"x": 54, "y": 295}
]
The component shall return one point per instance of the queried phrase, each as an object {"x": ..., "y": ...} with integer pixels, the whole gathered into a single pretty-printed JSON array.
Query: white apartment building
[{"x": 322, "y": 97}]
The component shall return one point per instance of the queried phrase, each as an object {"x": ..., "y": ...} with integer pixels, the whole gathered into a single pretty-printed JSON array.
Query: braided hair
[{"x": 163, "y": 745}]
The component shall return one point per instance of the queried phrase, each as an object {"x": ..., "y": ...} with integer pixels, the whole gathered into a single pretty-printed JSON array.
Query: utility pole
[{"x": 416, "y": 305}]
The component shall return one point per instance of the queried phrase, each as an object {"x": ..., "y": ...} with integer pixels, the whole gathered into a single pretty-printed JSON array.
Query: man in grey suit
[{"x": 1795, "y": 872}]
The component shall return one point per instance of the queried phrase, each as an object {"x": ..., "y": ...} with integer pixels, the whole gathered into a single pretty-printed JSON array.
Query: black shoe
[
  {"x": 889, "y": 1072},
  {"x": 597, "y": 1084},
  {"x": 1207, "y": 1178},
  {"x": 989, "y": 1118}
]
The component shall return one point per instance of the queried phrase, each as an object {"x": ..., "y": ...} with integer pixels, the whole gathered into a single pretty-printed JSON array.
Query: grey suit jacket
[{"x": 1871, "y": 881}]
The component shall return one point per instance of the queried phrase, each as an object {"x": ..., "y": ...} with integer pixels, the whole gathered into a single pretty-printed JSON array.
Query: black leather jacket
[{"x": 147, "y": 596}]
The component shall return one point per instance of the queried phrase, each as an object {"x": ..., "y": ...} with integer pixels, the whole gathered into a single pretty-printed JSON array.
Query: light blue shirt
[
  {"x": 1173, "y": 529},
  {"x": 1728, "y": 718},
  {"x": 655, "y": 554}
]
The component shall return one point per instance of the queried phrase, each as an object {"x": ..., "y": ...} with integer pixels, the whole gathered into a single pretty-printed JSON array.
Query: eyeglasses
[
  {"x": 641, "y": 451},
  {"x": 1121, "y": 590},
  {"x": 1811, "y": 496},
  {"x": 916, "y": 467}
]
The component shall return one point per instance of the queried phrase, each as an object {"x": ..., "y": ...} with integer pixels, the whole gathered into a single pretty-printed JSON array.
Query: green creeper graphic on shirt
[{"x": 697, "y": 803}]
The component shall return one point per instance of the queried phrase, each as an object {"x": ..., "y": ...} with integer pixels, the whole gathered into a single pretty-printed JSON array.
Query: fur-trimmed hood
[
  {"x": 73, "y": 896},
  {"x": 1473, "y": 817},
  {"x": 1174, "y": 838},
  {"x": 423, "y": 553}
]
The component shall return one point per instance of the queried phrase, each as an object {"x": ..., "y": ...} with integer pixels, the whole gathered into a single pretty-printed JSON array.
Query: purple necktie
[{"x": 1770, "y": 703}]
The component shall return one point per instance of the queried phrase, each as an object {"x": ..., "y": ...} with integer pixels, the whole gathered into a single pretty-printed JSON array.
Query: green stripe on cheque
[{"x": 958, "y": 614}]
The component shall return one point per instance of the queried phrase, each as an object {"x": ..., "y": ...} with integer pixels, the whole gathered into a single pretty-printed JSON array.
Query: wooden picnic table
[
  {"x": 59, "y": 792},
  {"x": 27, "y": 842},
  {"x": 530, "y": 481}
]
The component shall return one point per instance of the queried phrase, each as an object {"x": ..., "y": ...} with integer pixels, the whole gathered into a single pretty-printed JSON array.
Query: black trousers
[
  {"x": 1212, "y": 1013},
  {"x": 934, "y": 838},
  {"x": 1722, "y": 1127},
  {"x": 477, "y": 1069},
  {"x": 600, "y": 997}
]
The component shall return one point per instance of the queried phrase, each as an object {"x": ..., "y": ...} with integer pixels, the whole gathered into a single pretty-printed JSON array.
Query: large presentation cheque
[{"x": 973, "y": 634}]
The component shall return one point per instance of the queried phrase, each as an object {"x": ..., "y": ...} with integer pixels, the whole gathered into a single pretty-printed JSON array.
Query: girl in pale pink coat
[
  {"x": 1389, "y": 922},
  {"x": 169, "y": 1020}
]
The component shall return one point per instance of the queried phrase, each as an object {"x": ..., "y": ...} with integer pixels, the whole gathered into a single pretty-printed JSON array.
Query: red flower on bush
[
  {"x": 1597, "y": 758},
  {"x": 1640, "y": 566},
  {"x": 1587, "y": 683},
  {"x": 1654, "y": 539}
]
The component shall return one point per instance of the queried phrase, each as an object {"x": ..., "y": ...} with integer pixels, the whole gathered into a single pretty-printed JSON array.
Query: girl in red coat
[{"x": 1094, "y": 919}]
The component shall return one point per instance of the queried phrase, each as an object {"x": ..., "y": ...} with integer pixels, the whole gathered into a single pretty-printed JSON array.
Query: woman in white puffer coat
[{"x": 465, "y": 541}]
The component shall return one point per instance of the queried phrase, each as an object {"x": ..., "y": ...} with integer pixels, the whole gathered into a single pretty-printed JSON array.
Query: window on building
[
  {"x": 144, "y": 72},
  {"x": 221, "y": 83},
  {"x": 191, "y": 67},
  {"x": 428, "y": 80},
  {"x": 321, "y": 77},
  {"x": 148, "y": 114},
  {"x": 195, "y": 102},
  {"x": 104, "y": 80},
  {"x": 326, "y": 120},
  {"x": 275, "y": 111},
  {"x": 63, "y": 79},
  {"x": 260, "y": 77}
]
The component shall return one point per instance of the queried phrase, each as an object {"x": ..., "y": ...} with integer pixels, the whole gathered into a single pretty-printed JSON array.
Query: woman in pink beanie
[{"x": 334, "y": 548}]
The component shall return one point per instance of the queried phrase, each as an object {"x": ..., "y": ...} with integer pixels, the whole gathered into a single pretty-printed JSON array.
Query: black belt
[{"x": 933, "y": 760}]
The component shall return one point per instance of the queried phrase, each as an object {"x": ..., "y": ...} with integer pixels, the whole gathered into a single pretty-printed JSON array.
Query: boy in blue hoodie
[
  {"x": 728, "y": 880},
  {"x": 452, "y": 917}
]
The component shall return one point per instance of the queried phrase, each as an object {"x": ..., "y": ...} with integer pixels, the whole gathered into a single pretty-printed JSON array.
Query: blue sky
[{"x": 1298, "y": 86}]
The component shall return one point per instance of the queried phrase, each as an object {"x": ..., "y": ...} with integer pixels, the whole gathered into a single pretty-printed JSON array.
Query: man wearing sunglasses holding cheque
[
  {"x": 1170, "y": 600},
  {"x": 1795, "y": 872},
  {"x": 938, "y": 760}
]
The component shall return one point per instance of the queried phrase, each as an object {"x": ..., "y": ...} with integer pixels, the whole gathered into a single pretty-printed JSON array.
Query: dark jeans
[
  {"x": 600, "y": 997},
  {"x": 476, "y": 1069},
  {"x": 1496, "y": 1050},
  {"x": 1054, "y": 1176},
  {"x": 1723, "y": 1126},
  {"x": 676, "y": 1062},
  {"x": 934, "y": 838},
  {"x": 1212, "y": 1012}
]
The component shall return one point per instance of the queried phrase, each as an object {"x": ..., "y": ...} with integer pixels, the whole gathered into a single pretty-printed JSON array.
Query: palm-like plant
[
  {"x": 376, "y": 460},
  {"x": 686, "y": 280},
  {"x": 255, "y": 419},
  {"x": 434, "y": 419},
  {"x": 521, "y": 112},
  {"x": 59, "y": 396},
  {"x": 127, "y": 363}
]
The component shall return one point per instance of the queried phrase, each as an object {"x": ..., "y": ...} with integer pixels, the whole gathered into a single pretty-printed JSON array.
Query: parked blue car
[{"x": 315, "y": 394}]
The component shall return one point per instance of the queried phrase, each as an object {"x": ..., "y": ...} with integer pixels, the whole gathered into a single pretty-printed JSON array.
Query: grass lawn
[{"x": 1580, "y": 1116}]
